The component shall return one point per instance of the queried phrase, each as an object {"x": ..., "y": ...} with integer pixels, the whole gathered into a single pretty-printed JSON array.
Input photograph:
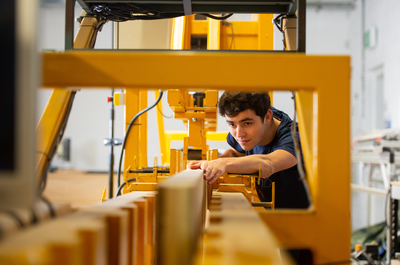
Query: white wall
[{"x": 88, "y": 124}]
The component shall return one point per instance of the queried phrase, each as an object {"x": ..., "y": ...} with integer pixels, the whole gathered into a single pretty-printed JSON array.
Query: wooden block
[
  {"x": 117, "y": 233},
  {"x": 236, "y": 234},
  {"x": 180, "y": 217}
]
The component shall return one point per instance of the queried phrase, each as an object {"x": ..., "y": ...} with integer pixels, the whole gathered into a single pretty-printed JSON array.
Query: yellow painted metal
[
  {"x": 214, "y": 34},
  {"x": 132, "y": 142},
  {"x": 176, "y": 100},
  {"x": 247, "y": 71},
  {"x": 248, "y": 35},
  {"x": 180, "y": 34},
  {"x": 103, "y": 195},
  {"x": 305, "y": 112},
  {"x": 85, "y": 33},
  {"x": 326, "y": 225},
  {"x": 265, "y": 32},
  {"x": 50, "y": 122},
  {"x": 173, "y": 168},
  {"x": 161, "y": 132},
  {"x": 49, "y": 126},
  {"x": 143, "y": 129},
  {"x": 199, "y": 27},
  {"x": 210, "y": 101},
  {"x": 235, "y": 183}
]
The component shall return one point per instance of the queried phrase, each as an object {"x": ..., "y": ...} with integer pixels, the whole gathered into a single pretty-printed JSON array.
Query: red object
[{"x": 109, "y": 99}]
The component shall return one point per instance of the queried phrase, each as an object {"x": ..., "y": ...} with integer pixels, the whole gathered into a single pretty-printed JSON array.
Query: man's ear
[{"x": 268, "y": 116}]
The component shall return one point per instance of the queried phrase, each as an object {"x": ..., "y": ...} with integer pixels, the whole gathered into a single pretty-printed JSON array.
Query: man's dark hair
[{"x": 234, "y": 102}]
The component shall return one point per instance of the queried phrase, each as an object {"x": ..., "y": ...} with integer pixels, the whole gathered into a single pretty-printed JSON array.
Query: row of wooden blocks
[
  {"x": 118, "y": 231},
  {"x": 175, "y": 225}
]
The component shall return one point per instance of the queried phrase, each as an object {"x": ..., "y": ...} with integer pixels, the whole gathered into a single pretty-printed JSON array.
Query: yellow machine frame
[{"x": 319, "y": 82}]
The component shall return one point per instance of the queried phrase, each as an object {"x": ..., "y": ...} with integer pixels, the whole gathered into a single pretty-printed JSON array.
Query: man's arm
[
  {"x": 228, "y": 153},
  {"x": 274, "y": 162}
]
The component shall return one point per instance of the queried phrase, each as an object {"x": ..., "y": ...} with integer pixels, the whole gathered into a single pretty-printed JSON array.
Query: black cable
[
  {"x": 120, "y": 12},
  {"x": 277, "y": 20},
  {"x": 122, "y": 185},
  {"x": 387, "y": 198},
  {"x": 217, "y": 18},
  {"x": 168, "y": 117},
  {"x": 127, "y": 133}
]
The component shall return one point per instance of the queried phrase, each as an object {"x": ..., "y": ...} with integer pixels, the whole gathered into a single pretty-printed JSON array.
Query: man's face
[{"x": 247, "y": 128}]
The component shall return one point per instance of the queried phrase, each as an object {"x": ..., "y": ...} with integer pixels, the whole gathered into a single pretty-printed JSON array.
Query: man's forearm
[{"x": 249, "y": 164}]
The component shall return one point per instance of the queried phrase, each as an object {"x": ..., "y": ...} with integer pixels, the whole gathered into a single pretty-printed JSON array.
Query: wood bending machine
[{"x": 169, "y": 215}]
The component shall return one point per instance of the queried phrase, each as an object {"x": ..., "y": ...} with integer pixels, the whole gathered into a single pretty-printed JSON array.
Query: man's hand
[{"x": 212, "y": 169}]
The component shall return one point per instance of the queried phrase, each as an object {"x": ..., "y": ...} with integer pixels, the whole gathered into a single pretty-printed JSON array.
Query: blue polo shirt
[{"x": 289, "y": 189}]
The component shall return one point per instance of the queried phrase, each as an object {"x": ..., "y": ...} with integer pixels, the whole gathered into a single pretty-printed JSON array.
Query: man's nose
[{"x": 240, "y": 132}]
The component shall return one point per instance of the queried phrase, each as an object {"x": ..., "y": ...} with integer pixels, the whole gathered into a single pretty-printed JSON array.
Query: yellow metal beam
[
  {"x": 214, "y": 70},
  {"x": 132, "y": 141},
  {"x": 265, "y": 32},
  {"x": 143, "y": 129},
  {"x": 214, "y": 34},
  {"x": 161, "y": 133},
  {"x": 49, "y": 126},
  {"x": 181, "y": 32},
  {"x": 85, "y": 33}
]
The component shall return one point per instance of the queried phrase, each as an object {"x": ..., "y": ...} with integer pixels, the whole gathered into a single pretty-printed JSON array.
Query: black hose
[
  {"x": 127, "y": 133},
  {"x": 122, "y": 185}
]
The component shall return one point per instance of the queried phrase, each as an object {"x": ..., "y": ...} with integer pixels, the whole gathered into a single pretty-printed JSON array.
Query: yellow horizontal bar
[
  {"x": 216, "y": 136},
  {"x": 169, "y": 69},
  {"x": 199, "y": 115},
  {"x": 211, "y": 136},
  {"x": 199, "y": 27}
]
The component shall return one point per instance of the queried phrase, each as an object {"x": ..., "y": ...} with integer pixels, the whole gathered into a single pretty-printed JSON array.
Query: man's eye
[{"x": 248, "y": 123}]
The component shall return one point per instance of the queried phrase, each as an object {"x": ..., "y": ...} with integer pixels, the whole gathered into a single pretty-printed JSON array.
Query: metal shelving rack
[{"x": 290, "y": 8}]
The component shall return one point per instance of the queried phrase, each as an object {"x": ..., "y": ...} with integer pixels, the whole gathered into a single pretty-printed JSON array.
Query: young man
[{"x": 258, "y": 134}]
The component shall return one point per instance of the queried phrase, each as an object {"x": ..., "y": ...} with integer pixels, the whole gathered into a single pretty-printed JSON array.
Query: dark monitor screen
[{"x": 7, "y": 85}]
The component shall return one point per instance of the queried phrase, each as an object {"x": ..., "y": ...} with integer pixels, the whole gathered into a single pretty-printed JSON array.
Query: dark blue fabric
[{"x": 289, "y": 189}]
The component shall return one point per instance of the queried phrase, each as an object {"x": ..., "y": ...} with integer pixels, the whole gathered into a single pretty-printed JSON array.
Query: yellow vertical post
[
  {"x": 213, "y": 34},
  {"x": 143, "y": 128},
  {"x": 266, "y": 36},
  {"x": 181, "y": 32},
  {"x": 132, "y": 142},
  {"x": 161, "y": 133},
  {"x": 265, "y": 32}
]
